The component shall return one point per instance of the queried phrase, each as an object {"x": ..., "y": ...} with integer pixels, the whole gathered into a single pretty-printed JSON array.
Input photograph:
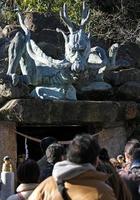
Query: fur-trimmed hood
[{"x": 66, "y": 170}]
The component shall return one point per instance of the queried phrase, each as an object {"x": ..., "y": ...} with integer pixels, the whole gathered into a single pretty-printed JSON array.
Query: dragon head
[{"x": 77, "y": 43}]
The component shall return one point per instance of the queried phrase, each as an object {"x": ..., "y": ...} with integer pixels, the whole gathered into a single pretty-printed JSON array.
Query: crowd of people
[{"x": 83, "y": 171}]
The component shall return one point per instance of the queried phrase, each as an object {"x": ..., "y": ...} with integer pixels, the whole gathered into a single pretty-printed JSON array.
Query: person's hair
[
  {"x": 83, "y": 149},
  {"x": 130, "y": 146},
  {"x": 45, "y": 142},
  {"x": 28, "y": 172},
  {"x": 54, "y": 153},
  {"x": 136, "y": 154},
  {"x": 114, "y": 180},
  {"x": 103, "y": 155}
]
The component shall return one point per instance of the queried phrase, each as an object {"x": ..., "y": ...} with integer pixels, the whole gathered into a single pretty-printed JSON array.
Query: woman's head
[
  {"x": 28, "y": 172},
  {"x": 130, "y": 147}
]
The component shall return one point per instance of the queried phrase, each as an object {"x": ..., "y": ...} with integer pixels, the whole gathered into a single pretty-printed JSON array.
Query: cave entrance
[{"x": 61, "y": 133}]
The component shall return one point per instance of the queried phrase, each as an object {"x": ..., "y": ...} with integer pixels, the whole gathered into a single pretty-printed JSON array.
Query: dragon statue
[{"x": 57, "y": 79}]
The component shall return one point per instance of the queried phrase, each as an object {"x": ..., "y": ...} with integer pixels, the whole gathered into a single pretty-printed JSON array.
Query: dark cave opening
[{"x": 61, "y": 133}]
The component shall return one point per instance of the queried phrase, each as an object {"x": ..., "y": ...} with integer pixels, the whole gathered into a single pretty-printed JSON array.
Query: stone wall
[
  {"x": 113, "y": 139},
  {"x": 8, "y": 142},
  {"x": 110, "y": 115}
]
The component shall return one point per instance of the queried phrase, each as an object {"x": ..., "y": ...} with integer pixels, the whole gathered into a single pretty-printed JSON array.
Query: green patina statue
[{"x": 56, "y": 79}]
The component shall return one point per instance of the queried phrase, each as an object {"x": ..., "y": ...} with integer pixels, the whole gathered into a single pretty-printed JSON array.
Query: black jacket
[{"x": 45, "y": 168}]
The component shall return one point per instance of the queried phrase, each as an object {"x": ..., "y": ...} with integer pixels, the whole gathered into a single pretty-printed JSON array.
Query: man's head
[
  {"x": 45, "y": 142},
  {"x": 83, "y": 149},
  {"x": 55, "y": 153}
]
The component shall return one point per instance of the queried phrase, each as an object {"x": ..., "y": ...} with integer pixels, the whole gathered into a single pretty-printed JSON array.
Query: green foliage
[
  {"x": 50, "y": 5},
  {"x": 119, "y": 24},
  {"x": 54, "y": 6},
  {"x": 112, "y": 20},
  {"x": 6, "y": 13},
  {"x": 33, "y": 5},
  {"x": 44, "y": 6}
]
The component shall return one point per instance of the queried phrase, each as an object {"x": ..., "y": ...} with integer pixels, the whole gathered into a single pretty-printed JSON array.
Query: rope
[
  {"x": 29, "y": 137},
  {"x": 39, "y": 140},
  {"x": 26, "y": 150}
]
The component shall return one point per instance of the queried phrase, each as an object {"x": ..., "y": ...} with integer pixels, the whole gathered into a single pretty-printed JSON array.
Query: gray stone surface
[
  {"x": 8, "y": 145},
  {"x": 117, "y": 78},
  {"x": 133, "y": 50},
  {"x": 96, "y": 86},
  {"x": 31, "y": 111},
  {"x": 7, "y": 92},
  {"x": 130, "y": 90},
  {"x": 113, "y": 139},
  {"x": 8, "y": 185}
]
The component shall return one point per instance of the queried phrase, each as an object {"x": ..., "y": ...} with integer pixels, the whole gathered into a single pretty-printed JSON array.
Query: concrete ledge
[{"x": 32, "y": 111}]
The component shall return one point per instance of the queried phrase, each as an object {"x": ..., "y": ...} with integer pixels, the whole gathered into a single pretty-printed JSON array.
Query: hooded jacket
[
  {"x": 82, "y": 182},
  {"x": 25, "y": 189}
]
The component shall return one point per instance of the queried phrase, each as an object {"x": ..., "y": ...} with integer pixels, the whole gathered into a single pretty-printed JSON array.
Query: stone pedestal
[
  {"x": 8, "y": 184},
  {"x": 8, "y": 142}
]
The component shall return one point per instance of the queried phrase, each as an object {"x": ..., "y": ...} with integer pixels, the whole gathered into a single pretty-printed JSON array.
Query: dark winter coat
[
  {"x": 132, "y": 179},
  {"x": 45, "y": 168}
]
